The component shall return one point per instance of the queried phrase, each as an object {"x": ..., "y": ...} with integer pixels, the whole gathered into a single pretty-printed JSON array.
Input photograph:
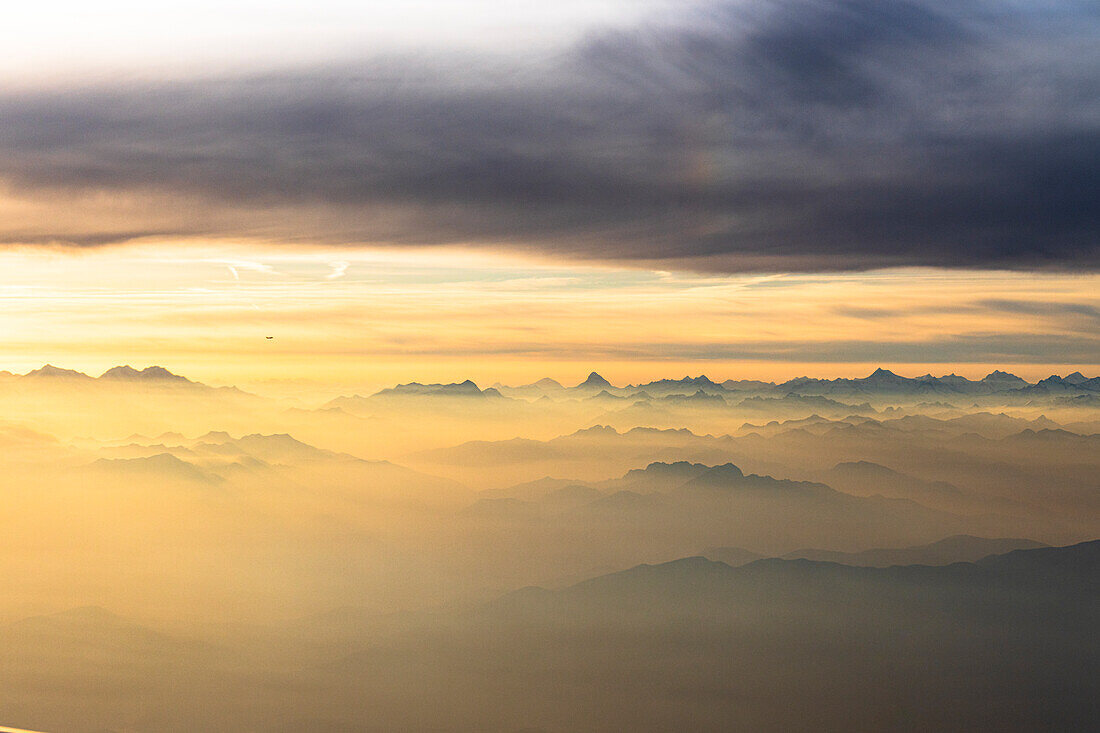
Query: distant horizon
[
  {"x": 361, "y": 319},
  {"x": 1030, "y": 373}
]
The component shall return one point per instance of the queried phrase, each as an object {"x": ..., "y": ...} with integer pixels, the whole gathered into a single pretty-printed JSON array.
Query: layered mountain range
[
  {"x": 1004, "y": 642},
  {"x": 881, "y": 384}
]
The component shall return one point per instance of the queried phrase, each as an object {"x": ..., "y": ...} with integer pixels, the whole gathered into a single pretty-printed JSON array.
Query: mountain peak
[
  {"x": 1000, "y": 376},
  {"x": 455, "y": 389},
  {"x": 152, "y": 374},
  {"x": 595, "y": 380},
  {"x": 49, "y": 370},
  {"x": 597, "y": 430},
  {"x": 468, "y": 387}
]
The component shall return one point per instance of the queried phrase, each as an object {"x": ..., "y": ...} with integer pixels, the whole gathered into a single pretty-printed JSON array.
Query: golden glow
[{"x": 361, "y": 318}]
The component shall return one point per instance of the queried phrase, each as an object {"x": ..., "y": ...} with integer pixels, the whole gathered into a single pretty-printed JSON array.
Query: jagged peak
[
  {"x": 595, "y": 380},
  {"x": 597, "y": 430},
  {"x": 701, "y": 379},
  {"x": 466, "y": 387}
]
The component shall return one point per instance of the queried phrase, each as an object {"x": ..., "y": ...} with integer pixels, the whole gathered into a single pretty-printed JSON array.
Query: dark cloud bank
[{"x": 804, "y": 134}]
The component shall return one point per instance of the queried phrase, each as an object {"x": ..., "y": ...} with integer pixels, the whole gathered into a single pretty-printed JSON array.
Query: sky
[
  {"x": 507, "y": 190},
  {"x": 359, "y": 319}
]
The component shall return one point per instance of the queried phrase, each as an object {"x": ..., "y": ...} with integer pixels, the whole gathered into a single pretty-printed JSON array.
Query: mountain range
[
  {"x": 1006, "y": 643},
  {"x": 881, "y": 382},
  {"x": 703, "y": 391},
  {"x": 123, "y": 373},
  {"x": 664, "y": 505}
]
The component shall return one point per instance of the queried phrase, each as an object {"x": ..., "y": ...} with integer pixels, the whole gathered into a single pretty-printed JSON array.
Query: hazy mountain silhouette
[
  {"x": 885, "y": 382},
  {"x": 162, "y": 466},
  {"x": 670, "y": 505},
  {"x": 776, "y": 645},
  {"x": 277, "y": 461},
  {"x": 880, "y": 384},
  {"x": 1055, "y": 385},
  {"x": 535, "y": 390},
  {"x": 958, "y": 548},
  {"x": 151, "y": 375},
  {"x": 595, "y": 382},
  {"x": 457, "y": 389},
  {"x": 664, "y": 387},
  {"x": 462, "y": 402},
  {"x": 633, "y": 446},
  {"x": 865, "y": 478},
  {"x": 999, "y": 380},
  {"x": 148, "y": 374},
  {"x": 49, "y": 371}
]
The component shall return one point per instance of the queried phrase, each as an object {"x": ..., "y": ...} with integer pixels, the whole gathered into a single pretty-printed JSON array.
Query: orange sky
[{"x": 354, "y": 318}]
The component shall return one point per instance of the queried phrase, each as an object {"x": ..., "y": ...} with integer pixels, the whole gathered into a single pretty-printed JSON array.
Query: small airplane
[{"x": 269, "y": 337}]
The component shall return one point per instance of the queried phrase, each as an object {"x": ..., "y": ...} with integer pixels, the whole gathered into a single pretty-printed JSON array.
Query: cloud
[
  {"x": 977, "y": 348},
  {"x": 339, "y": 269},
  {"x": 774, "y": 136},
  {"x": 972, "y": 348},
  {"x": 1039, "y": 308}
]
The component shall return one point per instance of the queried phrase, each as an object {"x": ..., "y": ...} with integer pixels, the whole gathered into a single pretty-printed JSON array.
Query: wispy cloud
[{"x": 167, "y": 307}]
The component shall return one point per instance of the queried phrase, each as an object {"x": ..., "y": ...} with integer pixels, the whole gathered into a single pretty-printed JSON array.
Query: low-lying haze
[{"x": 181, "y": 556}]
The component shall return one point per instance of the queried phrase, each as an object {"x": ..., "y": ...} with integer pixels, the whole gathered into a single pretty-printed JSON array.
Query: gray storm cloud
[{"x": 793, "y": 134}]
